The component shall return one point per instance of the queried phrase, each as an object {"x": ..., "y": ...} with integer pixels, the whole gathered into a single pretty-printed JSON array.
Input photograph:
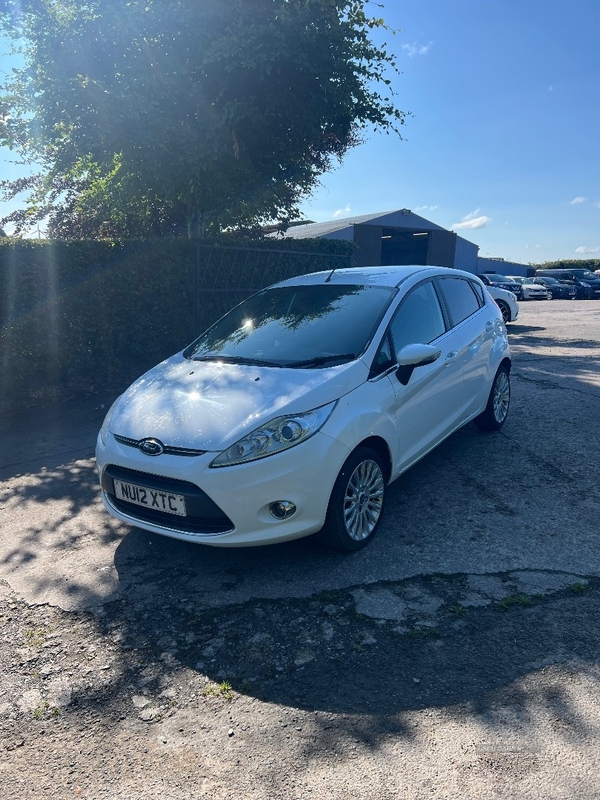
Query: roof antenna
[{"x": 328, "y": 278}]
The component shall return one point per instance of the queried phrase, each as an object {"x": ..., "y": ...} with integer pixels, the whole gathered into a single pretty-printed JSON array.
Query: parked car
[
  {"x": 506, "y": 302},
  {"x": 293, "y": 412},
  {"x": 502, "y": 282},
  {"x": 586, "y": 283},
  {"x": 558, "y": 290},
  {"x": 531, "y": 290}
]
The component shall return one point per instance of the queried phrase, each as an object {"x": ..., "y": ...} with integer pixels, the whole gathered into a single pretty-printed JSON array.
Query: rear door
[{"x": 477, "y": 326}]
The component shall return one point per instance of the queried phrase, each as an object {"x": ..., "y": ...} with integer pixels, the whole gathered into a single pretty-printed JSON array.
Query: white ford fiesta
[{"x": 293, "y": 413}]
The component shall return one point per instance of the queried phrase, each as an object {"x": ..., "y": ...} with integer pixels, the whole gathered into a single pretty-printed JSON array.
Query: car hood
[{"x": 210, "y": 405}]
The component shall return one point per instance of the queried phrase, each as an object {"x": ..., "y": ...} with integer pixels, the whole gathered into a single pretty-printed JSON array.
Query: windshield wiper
[
  {"x": 253, "y": 362},
  {"x": 320, "y": 361}
]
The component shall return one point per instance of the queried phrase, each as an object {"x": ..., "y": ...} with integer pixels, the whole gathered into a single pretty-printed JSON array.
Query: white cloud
[
  {"x": 578, "y": 200},
  {"x": 587, "y": 249},
  {"x": 471, "y": 221},
  {"x": 338, "y": 212},
  {"x": 425, "y": 208},
  {"x": 597, "y": 204},
  {"x": 415, "y": 49}
]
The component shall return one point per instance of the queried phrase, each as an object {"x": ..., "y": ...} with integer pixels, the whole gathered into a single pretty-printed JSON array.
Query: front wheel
[
  {"x": 356, "y": 502},
  {"x": 504, "y": 309},
  {"x": 496, "y": 410}
]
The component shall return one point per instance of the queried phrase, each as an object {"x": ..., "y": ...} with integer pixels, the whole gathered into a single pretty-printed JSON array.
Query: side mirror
[{"x": 412, "y": 356}]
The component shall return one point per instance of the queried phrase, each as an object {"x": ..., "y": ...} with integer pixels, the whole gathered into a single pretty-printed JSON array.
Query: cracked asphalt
[{"x": 457, "y": 656}]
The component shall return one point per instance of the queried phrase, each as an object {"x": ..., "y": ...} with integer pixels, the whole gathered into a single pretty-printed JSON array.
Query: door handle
[{"x": 451, "y": 357}]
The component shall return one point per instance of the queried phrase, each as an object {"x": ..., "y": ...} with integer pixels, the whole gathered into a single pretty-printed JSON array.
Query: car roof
[{"x": 391, "y": 276}]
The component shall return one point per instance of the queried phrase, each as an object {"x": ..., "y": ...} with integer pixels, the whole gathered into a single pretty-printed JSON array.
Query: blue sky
[
  {"x": 502, "y": 144},
  {"x": 504, "y": 137}
]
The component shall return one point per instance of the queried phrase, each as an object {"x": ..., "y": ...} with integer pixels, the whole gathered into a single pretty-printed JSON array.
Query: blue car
[{"x": 502, "y": 282}]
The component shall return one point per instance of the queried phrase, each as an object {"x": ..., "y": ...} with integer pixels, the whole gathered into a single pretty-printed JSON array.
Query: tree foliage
[{"x": 152, "y": 117}]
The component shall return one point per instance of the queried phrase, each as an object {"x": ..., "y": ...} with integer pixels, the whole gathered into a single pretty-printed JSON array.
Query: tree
[{"x": 153, "y": 116}]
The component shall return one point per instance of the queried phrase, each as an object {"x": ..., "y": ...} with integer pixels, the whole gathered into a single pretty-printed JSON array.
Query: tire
[
  {"x": 356, "y": 502},
  {"x": 504, "y": 309},
  {"x": 496, "y": 410}
]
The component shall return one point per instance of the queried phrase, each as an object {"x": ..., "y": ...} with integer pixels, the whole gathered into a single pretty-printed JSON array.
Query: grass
[
  {"x": 423, "y": 633},
  {"x": 45, "y": 709},
  {"x": 329, "y": 595},
  {"x": 514, "y": 600},
  {"x": 223, "y": 689},
  {"x": 579, "y": 586},
  {"x": 35, "y": 637}
]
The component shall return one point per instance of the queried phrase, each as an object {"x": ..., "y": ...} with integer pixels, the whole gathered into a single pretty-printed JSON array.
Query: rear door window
[{"x": 460, "y": 298}]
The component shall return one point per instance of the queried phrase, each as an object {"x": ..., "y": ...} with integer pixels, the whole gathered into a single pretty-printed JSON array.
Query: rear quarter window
[{"x": 479, "y": 292}]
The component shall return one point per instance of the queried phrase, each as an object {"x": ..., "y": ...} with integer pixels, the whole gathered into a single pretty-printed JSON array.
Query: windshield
[
  {"x": 586, "y": 275},
  {"x": 548, "y": 280},
  {"x": 498, "y": 278},
  {"x": 296, "y": 326}
]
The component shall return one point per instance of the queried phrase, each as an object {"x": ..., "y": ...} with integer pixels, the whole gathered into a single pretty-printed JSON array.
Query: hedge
[
  {"x": 85, "y": 317},
  {"x": 571, "y": 263}
]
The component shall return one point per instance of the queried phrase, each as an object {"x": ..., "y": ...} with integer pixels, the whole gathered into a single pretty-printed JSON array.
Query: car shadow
[
  {"x": 320, "y": 653},
  {"x": 517, "y": 329}
]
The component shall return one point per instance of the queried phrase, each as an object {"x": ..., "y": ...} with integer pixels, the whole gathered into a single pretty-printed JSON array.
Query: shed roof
[{"x": 402, "y": 218}]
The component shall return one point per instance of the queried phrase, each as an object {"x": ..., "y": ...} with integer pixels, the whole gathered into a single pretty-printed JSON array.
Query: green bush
[
  {"x": 572, "y": 263},
  {"x": 80, "y": 318}
]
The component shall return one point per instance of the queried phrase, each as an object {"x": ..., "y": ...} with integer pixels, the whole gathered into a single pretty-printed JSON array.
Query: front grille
[
  {"x": 203, "y": 514},
  {"x": 167, "y": 449}
]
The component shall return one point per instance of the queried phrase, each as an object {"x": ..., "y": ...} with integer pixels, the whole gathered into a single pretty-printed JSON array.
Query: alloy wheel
[
  {"x": 501, "y": 396},
  {"x": 363, "y": 500}
]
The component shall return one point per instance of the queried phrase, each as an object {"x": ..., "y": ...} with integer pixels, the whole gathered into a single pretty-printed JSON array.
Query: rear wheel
[
  {"x": 496, "y": 410},
  {"x": 356, "y": 502}
]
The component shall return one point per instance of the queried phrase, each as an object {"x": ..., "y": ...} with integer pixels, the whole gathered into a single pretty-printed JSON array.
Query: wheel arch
[
  {"x": 507, "y": 363},
  {"x": 380, "y": 446}
]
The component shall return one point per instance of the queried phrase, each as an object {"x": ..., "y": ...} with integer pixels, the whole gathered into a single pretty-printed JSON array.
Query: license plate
[{"x": 150, "y": 498}]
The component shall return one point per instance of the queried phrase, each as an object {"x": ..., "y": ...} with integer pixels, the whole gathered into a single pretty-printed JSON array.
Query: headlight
[
  {"x": 107, "y": 420},
  {"x": 279, "y": 434}
]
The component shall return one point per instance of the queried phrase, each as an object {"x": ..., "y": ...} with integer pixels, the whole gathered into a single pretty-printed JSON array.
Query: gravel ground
[{"x": 447, "y": 686}]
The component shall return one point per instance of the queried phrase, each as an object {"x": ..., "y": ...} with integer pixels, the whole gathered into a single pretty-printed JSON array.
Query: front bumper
[{"x": 227, "y": 506}]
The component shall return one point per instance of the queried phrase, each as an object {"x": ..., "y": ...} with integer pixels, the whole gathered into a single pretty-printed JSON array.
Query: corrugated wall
[
  {"x": 442, "y": 248},
  {"x": 368, "y": 241}
]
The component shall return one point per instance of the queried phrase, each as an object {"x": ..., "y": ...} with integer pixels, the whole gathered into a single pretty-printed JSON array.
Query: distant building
[
  {"x": 398, "y": 237},
  {"x": 394, "y": 237},
  {"x": 503, "y": 267}
]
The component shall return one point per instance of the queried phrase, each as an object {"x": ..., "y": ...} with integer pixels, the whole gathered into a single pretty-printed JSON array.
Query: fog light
[{"x": 282, "y": 509}]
